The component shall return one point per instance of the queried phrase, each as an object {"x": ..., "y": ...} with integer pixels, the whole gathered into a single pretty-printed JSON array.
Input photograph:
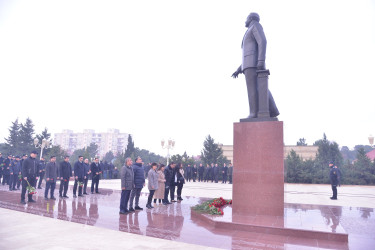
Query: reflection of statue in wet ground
[{"x": 254, "y": 43}]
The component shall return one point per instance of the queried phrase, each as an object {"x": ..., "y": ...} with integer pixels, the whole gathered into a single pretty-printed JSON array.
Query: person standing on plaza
[
  {"x": 159, "y": 193},
  {"x": 230, "y": 173},
  {"x": 86, "y": 169},
  {"x": 201, "y": 173},
  {"x": 6, "y": 170},
  {"x": 139, "y": 183},
  {"x": 180, "y": 181},
  {"x": 225, "y": 173},
  {"x": 96, "y": 170},
  {"x": 127, "y": 185},
  {"x": 18, "y": 176},
  {"x": 169, "y": 180},
  {"x": 30, "y": 176},
  {"x": 14, "y": 172},
  {"x": 215, "y": 171},
  {"x": 51, "y": 177},
  {"x": 42, "y": 171},
  {"x": 1, "y": 165},
  {"x": 195, "y": 172},
  {"x": 188, "y": 172},
  {"x": 79, "y": 172},
  {"x": 207, "y": 173},
  {"x": 333, "y": 176},
  {"x": 65, "y": 172},
  {"x": 152, "y": 178}
]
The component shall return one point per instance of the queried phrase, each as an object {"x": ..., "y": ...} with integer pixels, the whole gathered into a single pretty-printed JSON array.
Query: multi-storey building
[{"x": 112, "y": 140}]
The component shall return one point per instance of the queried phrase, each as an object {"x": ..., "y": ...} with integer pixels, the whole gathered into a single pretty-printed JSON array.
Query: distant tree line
[{"x": 355, "y": 166}]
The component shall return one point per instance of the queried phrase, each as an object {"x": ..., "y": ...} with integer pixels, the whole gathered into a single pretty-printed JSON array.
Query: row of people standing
[
  {"x": 213, "y": 173},
  {"x": 161, "y": 183}
]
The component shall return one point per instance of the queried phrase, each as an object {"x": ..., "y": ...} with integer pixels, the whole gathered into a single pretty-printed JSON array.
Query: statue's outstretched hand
[{"x": 235, "y": 74}]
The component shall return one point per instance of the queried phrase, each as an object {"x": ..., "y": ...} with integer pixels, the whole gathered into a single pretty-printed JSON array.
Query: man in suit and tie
[{"x": 253, "y": 59}]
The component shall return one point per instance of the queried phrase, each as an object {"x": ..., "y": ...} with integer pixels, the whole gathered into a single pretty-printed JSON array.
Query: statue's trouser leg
[
  {"x": 273, "y": 108},
  {"x": 251, "y": 83}
]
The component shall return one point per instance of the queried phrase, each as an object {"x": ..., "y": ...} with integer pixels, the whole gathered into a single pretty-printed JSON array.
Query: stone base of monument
[
  {"x": 314, "y": 222},
  {"x": 258, "y": 189}
]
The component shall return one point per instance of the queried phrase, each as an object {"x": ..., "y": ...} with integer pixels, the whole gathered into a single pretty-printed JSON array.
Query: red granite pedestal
[{"x": 258, "y": 172}]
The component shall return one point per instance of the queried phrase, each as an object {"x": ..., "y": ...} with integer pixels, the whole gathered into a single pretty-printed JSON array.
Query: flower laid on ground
[
  {"x": 213, "y": 206},
  {"x": 80, "y": 184},
  {"x": 30, "y": 189}
]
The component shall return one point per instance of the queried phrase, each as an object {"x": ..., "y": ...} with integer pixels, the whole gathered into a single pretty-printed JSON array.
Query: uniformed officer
[
  {"x": 87, "y": 173},
  {"x": 333, "y": 176},
  {"x": 30, "y": 175},
  {"x": 42, "y": 170},
  {"x": 14, "y": 172},
  {"x": 225, "y": 173}
]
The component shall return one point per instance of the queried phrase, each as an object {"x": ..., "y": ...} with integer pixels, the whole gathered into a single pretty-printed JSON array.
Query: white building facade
[{"x": 112, "y": 140}]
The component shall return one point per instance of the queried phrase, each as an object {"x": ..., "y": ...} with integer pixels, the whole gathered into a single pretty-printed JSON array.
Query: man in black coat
[
  {"x": 6, "y": 170},
  {"x": 201, "y": 172},
  {"x": 195, "y": 172},
  {"x": 51, "y": 177},
  {"x": 334, "y": 176},
  {"x": 216, "y": 173},
  {"x": 169, "y": 182},
  {"x": 188, "y": 172},
  {"x": 86, "y": 175},
  {"x": 65, "y": 172},
  {"x": 96, "y": 170},
  {"x": 30, "y": 175},
  {"x": 79, "y": 172},
  {"x": 225, "y": 173},
  {"x": 42, "y": 170},
  {"x": 1, "y": 165}
]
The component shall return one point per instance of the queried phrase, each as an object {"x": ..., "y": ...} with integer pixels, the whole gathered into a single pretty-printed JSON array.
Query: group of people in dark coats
[{"x": 213, "y": 172}]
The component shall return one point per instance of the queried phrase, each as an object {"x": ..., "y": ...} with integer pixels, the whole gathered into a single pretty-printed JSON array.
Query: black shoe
[
  {"x": 123, "y": 212},
  {"x": 80, "y": 195},
  {"x": 39, "y": 188},
  {"x": 23, "y": 202},
  {"x": 148, "y": 206},
  {"x": 60, "y": 196},
  {"x": 164, "y": 203},
  {"x": 65, "y": 196},
  {"x": 31, "y": 200},
  {"x": 74, "y": 196},
  {"x": 333, "y": 198},
  {"x": 138, "y": 208},
  {"x": 46, "y": 198},
  {"x": 131, "y": 210},
  {"x": 85, "y": 193},
  {"x": 97, "y": 192},
  {"x": 53, "y": 198}
]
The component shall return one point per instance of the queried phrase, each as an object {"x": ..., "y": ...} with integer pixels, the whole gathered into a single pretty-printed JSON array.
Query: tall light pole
[
  {"x": 45, "y": 144},
  {"x": 371, "y": 140},
  {"x": 169, "y": 146}
]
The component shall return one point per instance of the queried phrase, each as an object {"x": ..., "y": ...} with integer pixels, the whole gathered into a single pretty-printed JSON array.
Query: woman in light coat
[
  {"x": 152, "y": 183},
  {"x": 159, "y": 194}
]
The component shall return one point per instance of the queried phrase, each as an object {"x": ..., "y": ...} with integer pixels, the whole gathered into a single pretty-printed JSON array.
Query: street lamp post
[
  {"x": 45, "y": 144},
  {"x": 371, "y": 140},
  {"x": 169, "y": 146}
]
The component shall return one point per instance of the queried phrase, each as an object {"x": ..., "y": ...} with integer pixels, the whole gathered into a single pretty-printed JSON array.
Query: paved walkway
[{"x": 98, "y": 224}]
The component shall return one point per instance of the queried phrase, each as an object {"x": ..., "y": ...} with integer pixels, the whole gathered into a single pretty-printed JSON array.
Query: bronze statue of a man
[{"x": 254, "y": 43}]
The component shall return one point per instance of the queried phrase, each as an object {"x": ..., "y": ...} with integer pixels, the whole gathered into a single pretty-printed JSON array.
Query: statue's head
[{"x": 251, "y": 17}]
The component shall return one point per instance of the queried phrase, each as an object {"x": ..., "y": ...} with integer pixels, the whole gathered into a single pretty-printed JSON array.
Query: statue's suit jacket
[{"x": 254, "y": 46}]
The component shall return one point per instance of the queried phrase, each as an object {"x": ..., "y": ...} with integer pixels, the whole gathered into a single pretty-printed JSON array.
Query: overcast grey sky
[{"x": 160, "y": 69}]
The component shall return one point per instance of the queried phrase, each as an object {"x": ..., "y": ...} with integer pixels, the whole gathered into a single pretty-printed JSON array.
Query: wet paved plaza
[{"x": 174, "y": 222}]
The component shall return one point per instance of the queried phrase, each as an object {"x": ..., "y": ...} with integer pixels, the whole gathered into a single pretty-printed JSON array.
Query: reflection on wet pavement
[{"x": 174, "y": 222}]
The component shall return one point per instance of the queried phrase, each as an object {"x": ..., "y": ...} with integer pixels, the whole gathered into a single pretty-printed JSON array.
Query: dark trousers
[
  {"x": 17, "y": 181},
  {"x": 225, "y": 177},
  {"x": 135, "y": 193},
  {"x": 216, "y": 177},
  {"x": 188, "y": 176},
  {"x": 179, "y": 189},
  {"x": 85, "y": 185},
  {"x": 253, "y": 95},
  {"x": 6, "y": 179},
  {"x": 194, "y": 177},
  {"x": 125, "y": 195},
  {"x": 230, "y": 179},
  {"x": 150, "y": 195},
  {"x": 52, "y": 185},
  {"x": 95, "y": 181},
  {"x": 11, "y": 179},
  {"x": 75, "y": 187},
  {"x": 41, "y": 179},
  {"x": 172, "y": 188},
  {"x": 32, "y": 181},
  {"x": 166, "y": 192},
  {"x": 64, "y": 186},
  {"x": 200, "y": 178},
  {"x": 207, "y": 177},
  {"x": 334, "y": 190}
]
